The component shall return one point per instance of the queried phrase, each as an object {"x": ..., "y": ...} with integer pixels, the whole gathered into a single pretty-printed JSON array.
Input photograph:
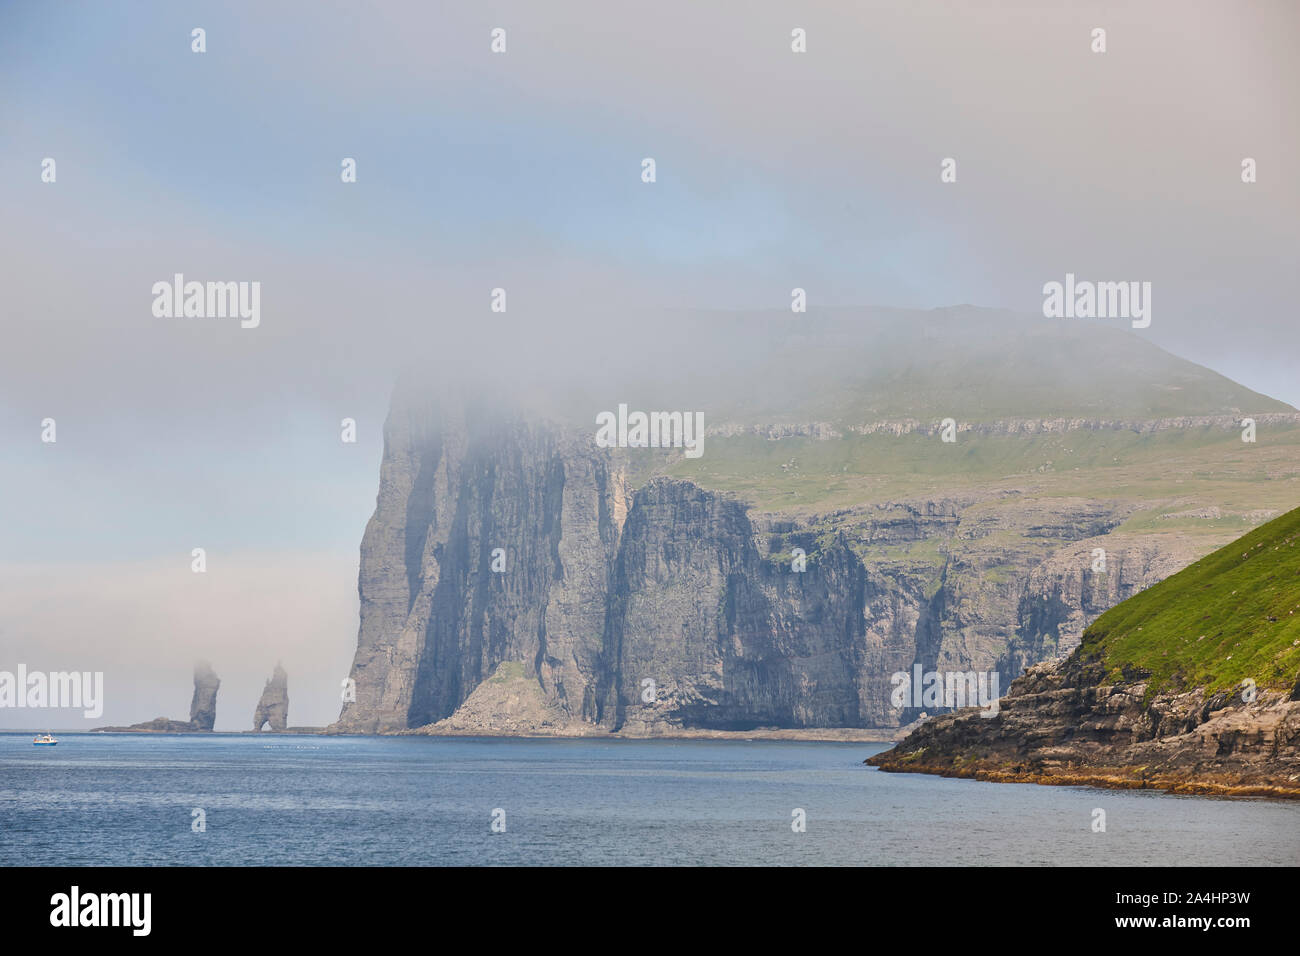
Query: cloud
[
  {"x": 144, "y": 623},
  {"x": 476, "y": 171}
]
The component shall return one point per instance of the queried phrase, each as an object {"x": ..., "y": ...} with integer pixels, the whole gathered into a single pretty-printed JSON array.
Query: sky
[{"x": 522, "y": 170}]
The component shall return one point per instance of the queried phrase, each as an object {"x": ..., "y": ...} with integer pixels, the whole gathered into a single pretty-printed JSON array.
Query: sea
[{"x": 292, "y": 800}]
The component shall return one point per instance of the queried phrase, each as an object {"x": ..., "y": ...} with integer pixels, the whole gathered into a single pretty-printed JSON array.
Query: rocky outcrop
[
  {"x": 273, "y": 706},
  {"x": 159, "y": 725},
  {"x": 1065, "y": 723},
  {"x": 203, "y": 709}
]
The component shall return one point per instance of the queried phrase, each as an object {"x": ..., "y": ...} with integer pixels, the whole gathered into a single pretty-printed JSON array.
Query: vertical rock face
[
  {"x": 273, "y": 707},
  {"x": 729, "y": 640},
  {"x": 1072, "y": 588},
  {"x": 492, "y": 540},
  {"x": 203, "y": 706},
  {"x": 497, "y": 539}
]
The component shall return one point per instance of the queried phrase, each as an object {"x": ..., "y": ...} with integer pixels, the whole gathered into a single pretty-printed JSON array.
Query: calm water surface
[{"x": 294, "y": 800}]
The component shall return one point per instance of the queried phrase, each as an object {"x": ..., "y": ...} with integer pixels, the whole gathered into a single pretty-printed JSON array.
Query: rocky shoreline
[
  {"x": 511, "y": 703},
  {"x": 1063, "y": 724}
]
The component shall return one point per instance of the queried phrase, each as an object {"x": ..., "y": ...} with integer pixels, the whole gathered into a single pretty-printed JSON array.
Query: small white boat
[{"x": 44, "y": 740}]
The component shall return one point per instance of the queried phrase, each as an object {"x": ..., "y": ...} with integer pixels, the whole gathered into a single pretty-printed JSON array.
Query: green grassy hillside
[{"x": 1228, "y": 617}]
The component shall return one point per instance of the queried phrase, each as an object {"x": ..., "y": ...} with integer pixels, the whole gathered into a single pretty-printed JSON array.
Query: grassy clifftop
[{"x": 1228, "y": 617}]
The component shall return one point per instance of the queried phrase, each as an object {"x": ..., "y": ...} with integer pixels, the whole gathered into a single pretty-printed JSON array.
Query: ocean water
[{"x": 295, "y": 800}]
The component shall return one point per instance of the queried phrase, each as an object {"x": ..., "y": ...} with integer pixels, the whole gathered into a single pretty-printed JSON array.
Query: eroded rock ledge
[{"x": 1060, "y": 723}]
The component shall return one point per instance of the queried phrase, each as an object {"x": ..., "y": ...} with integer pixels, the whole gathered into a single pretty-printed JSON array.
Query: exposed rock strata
[
  {"x": 497, "y": 539},
  {"x": 1061, "y": 723}
]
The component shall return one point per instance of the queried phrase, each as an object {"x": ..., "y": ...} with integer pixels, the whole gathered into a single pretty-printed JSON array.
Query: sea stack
[
  {"x": 203, "y": 706},
  {"x": 273, "y": 708},
  {"x": 203, "y": 709}
]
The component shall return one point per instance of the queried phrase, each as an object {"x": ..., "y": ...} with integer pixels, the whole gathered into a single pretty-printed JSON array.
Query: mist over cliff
[{"x": 827, "y": 538}]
